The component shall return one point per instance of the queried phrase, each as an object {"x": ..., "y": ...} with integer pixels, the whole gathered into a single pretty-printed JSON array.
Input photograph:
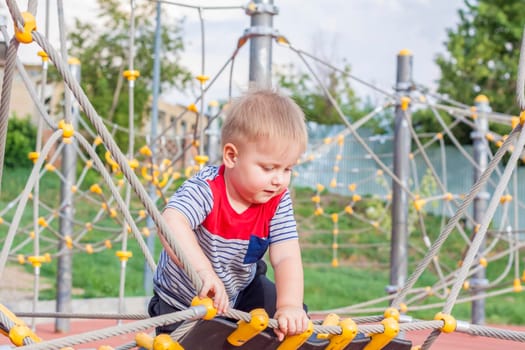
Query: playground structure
[{"x": 155, "y": 178}]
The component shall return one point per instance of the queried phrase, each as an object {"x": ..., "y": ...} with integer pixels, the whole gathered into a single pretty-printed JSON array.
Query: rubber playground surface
[{"x": 456, "y": 341}]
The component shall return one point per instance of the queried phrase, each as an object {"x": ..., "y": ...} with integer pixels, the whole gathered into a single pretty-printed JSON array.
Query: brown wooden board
[{"x": 211, "y": 335}]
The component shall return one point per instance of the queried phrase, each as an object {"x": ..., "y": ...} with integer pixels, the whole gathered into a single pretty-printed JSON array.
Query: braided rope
[{"x": 118, "y": 156}]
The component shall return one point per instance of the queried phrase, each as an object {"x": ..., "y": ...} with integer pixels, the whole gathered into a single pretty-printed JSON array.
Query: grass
[{"x": 362, "y": 275}]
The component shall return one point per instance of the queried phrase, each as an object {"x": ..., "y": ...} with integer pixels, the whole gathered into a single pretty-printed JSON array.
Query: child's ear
[{"x": 229, "y": 155}]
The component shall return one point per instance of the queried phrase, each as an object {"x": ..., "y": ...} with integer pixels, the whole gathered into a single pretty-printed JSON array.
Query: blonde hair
[{"x": 264, "y": 114}]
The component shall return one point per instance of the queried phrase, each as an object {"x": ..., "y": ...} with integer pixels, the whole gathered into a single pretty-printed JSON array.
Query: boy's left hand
[{"x": 292, "y": 320}]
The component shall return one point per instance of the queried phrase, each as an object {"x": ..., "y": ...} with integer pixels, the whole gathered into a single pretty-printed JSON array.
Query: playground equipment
[{"x": 339, "y": 335}]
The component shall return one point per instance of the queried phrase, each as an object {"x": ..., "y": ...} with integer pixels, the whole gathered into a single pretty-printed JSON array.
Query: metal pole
[
  {"x": 150, "y": 240},
  {"x": 478, "y": 282},
  {"x": 261, "y": 31},
  {"x": 402, "y": 144},
  {"x": 213, "y": 133},
  {"x": 67, "y": 214}
]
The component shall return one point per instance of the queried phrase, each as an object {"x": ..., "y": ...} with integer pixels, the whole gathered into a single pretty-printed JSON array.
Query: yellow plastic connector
[
  {"x": 164, "y": 342},
  {"x": 133, "y": 163},
  {"x": 295, "y": 341},
  {"x": 247, "y": 330},
  {"x": 335, "y": 262},
  {"x": 124, "y": 255},
  {"x": 352, "y": 187},
  {"x": 449, "y": 322},
  {"x": 102, "y": 347},
  {"x": 333, "y": 183},
  {"x": 21, "y": 259},
  {"x": 97, "y": 141},
  {"x": 483, "y": 262},
  {"x": 24, "y": 36},
  {"x": 36, "y": 260},
  {"x": 131, "y": 75},
  {"x": 505, "y": 198},
  {"x": 144, "y": 340},
  {"x": 42, "y": 221},
  {"x": 318, "y": 211},
  {"x": 419, "y": 204},
  {"x": 316, "y": 199},
  {"x": 114, "y": 165},
  {"x": 18, "y": 333},
  {"x": 330, "y": 320},
  {"x": 380, "y": 340},
  {"x": 192, "y": 108},
  {"x": 208, "y": 303},
  {"x": 43, "y": 55},
  {"x": 69, "y": 242},
  {"x": 405, "y": 102},
  {"x": 348, "y": 333},
  {"x": 349, "y": 210},
  {"x": 146, "y": 151},
  {"x": 202, "y": 78},
  {"x": 319, "y": 188},
  {"x": 392, "y": 312},
  {"x": 517, "y": 285},
  {"x": 108, "y": 244},
  {"x": 89, "y": 249},
  {"x": 522, "y": 118},
  {"x": 50, "y": 167},
  {"x": 67, "y": 129},
  {"x": 33, "y": 156},
  {"x": 95, "y": 188},
  {"x": 201, "y": 159},
  {"x": 356, "y": 198},
  {"x": 335, "y": 217}
]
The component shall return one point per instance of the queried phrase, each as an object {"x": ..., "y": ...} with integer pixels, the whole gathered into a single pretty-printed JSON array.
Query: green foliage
[
  {"x": 20, "y": 140},
  {"x": 315, "y": 103},
  {"x": 104, "y": 51},
  {"x": 483, "y": 55}
]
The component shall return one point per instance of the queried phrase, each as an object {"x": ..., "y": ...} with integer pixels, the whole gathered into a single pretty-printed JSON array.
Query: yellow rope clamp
[
  {"x": 247, "y": 330},
  {"x": 24, "y": 36},
  {"x": 380, "y": 340},
  {"x": 42, "y": 222},
  {"x": 67, "y": 129},
  {"x": 33, "y": 156},
  {"x": 330, "y": 320},
  {"x": 144, "y": 340},
  {"x": 202, "y": 78},
  {"x": 95, "y": 188},
  {"x": 391, "y": 312},
  {"x": 146, "y": 151},
  {"x": 208, "y": 303},
  {"x": 164, "y": 342},
  {"x": 18, "y": 333},
  {"x": 449, "y": 322},
  {"x": 131, "y": 75},
  {"x": 102, "y": 347},
  {"x": 522, "y": 118},
  {"x": 43, "y": 55},
  {"x": 191, "y": 107},
  {"x": 517, "y": 285},
  {"x": 37, "y": 261},
  {"x": 348, "y": 333},
  {"x": 124, "y": 255},
  {"x": 69, "y": 242},
  {"x": 295, "y": 341},
  {"x": 109, "y": 159},
  {"x": 405, "y": 102},
  {"x": 201, "y": 159}
]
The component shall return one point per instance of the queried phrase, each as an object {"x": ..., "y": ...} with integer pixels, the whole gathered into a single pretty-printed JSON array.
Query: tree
[
  {"x": 19, "y": 142},
  {"x": 483, "y": 55},
  {"x": 103, "y": 50},
  {"x": 311, "y": 97}
]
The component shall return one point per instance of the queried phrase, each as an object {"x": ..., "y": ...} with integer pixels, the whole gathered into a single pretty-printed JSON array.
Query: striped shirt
[{"x": 232, "y": 242}]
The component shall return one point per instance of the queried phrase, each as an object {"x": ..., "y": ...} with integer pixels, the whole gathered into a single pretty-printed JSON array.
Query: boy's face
[{"x": 259, "y": 171}]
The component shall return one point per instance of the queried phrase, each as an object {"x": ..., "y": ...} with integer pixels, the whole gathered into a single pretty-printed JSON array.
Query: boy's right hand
[{"x": 213, "y": 287}]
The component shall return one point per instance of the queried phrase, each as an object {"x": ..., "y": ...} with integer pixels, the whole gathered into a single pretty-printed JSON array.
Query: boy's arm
[
  {"x": 212, "y": 285},
  {"x": 285, "y": 258}
]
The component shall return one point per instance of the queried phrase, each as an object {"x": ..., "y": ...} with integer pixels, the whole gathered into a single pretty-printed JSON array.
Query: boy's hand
[
  {"x": 292, "y": 320},
  {"x": 213, "y": 287}
]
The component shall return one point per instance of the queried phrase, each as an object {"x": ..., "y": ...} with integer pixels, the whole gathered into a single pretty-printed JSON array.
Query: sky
[{"x": 367, "y": 34}]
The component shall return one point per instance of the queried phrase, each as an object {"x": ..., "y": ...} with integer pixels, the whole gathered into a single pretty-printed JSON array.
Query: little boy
[{"x": 226, "y": 217}]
